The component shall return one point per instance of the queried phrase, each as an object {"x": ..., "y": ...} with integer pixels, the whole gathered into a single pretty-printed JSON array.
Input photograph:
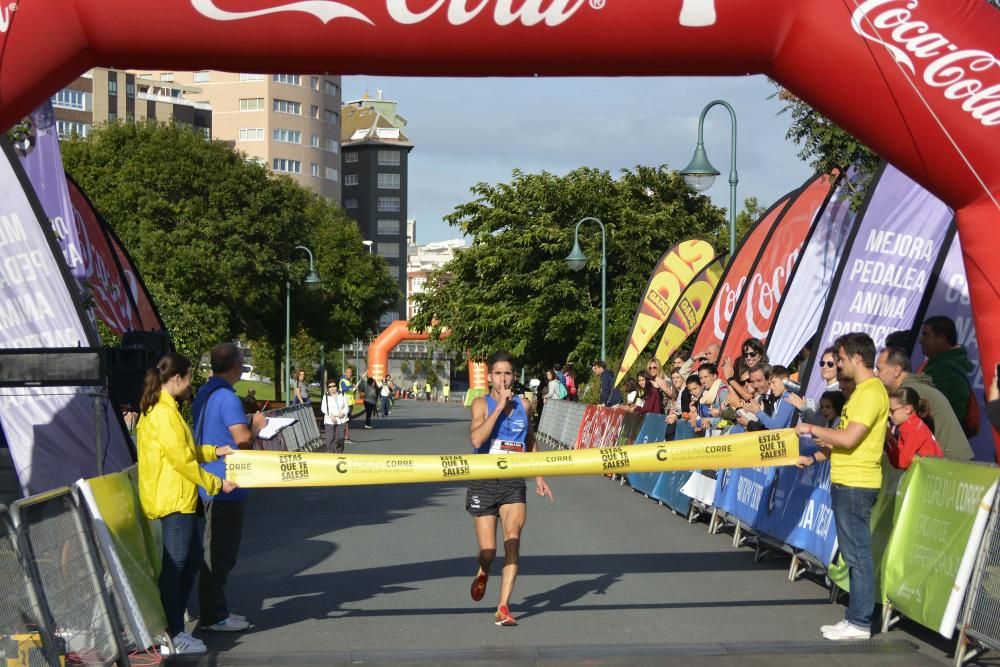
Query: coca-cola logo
[
  {"x": 458, "y": 12},
  {"x": 6, "y": 14},
  {"x": 913, "y": 45},
  {"x": 763, "y": 296},
  {"x": 725, "y": 305},
  {"x": 111, "y": 300}
]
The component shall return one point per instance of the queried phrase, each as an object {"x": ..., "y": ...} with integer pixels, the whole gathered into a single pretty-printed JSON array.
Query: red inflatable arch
[
  {"x": 396, "y": 333},
  {"x": 918, "y": 80}
]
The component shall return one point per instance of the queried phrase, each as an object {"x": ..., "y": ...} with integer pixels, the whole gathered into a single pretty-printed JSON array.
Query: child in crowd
[
  {"x": 831, "y": 403},
  {"x": 910, "y": 434}
]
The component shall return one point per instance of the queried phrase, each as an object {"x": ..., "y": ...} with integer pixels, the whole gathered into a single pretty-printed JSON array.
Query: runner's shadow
[{"x": 566, "y": 594}]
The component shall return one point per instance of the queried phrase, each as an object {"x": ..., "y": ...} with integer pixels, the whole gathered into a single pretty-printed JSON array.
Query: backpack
[{"x": 560, "y": 390}]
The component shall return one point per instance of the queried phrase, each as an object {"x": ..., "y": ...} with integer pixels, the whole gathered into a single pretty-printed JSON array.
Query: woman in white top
[
  {"x": 335, "y": 411},
  {"x": 554, "y": 386},
  {"x": 827, "y": 371}
]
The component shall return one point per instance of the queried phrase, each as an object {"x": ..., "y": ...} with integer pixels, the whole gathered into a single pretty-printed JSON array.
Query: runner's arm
[{"x": 483, "y": 423}]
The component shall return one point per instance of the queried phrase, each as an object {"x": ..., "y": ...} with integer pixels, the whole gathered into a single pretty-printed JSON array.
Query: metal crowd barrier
[
  {"x": 301, "y": 436},
  {"x": 25, "y": 628},
  {"x": 560, "y": 423},
  {"x": 58, "y": 542},
  {"x": 980, "y": 626}
]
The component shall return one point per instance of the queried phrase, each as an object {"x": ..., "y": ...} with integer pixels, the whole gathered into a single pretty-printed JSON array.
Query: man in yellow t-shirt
[{"x": 855, "y": 453}]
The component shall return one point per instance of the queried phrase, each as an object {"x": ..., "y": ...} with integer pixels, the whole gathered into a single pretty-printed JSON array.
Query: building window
[
  {"x": 69, "y": 128},
  {"x": 388, "y": 227},
  {"x": 332, "y": 145},
  {"x": 332, "y": 174},
  {"x": 388, "y": 181},
  {"x": 251, "y": 77},
  {"x": 69, "y": 99},
  {"x": 330, "y": 116},
  {"x": 129, "y": 90},
  {"x": 331, "y": 88},
  {"x": 251, "y": 104},
  {"x": 394, "y": 271},
  {"x": 203, "y": 76},
  {"x": 350, "y": 203},
  {"x": 251, "y": 134},
  {"x": 255, "y": 159},
  {"x": 130, "y": 118},
  {"x": 113, "y": 85},
  {"x": 350, "y": 179},
  {"x": 351, "y": 156},
  {"x": 112, "y": 116},
  {"x": 314, "y": 170},
  {"x": 287, "y": 106},
  {"x": 290, "y": 79},
  {"x": 388, "y": 204},
  {"x": 388, "y": 249},
  {"x": 388, "y": 158},
  {"x": 287, "y": 136},
  {"x": 314, "y": 141},
  {"x": 314, "y": 111},
  {"x": 288, "y": 166},
  {"x": 167, "y": 77},
  {"x": 387, "y": 318},
  {"x": 314, "y": 82}
]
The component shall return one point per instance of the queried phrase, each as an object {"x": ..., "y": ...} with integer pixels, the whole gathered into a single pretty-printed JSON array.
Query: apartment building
[
  {"x": 375, "y": 158},
  {"x": 290, "y": 122},
  {"x": 107, "y": 95},
  {"x": 421, "y": 260}
]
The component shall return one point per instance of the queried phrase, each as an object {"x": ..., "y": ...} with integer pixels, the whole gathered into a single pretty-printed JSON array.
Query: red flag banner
[
  {"x": 600, "y": 427},
  {"x": 112, "y": 297},
  {"x": 149, "y": 316},
  {"x": 720, "y": 312},
  {"x": 671, "y": 276},
  {"x": 758, "y": 304}
]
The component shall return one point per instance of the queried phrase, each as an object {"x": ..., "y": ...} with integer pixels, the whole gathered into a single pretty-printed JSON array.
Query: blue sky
[{"x": 471, "y": 130}]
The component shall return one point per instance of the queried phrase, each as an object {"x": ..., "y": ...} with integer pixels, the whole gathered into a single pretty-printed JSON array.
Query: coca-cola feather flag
[{"x": 758, "y": 304}]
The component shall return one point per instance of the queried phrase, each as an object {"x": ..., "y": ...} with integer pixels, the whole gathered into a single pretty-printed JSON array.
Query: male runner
[{"x": 500, "y": 425}]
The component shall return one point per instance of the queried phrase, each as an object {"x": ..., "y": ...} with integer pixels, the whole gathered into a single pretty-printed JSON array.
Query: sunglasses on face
[
  {"x": 828, "y": 364},
  {"x": 750, "y": 353}
]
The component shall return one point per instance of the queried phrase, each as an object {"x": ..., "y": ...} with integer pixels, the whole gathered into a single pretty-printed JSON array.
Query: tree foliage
[
  {"x": 512, "y": 288},
  {"x": 824, "y": 145},
  {"x": 214, "y": 237}
]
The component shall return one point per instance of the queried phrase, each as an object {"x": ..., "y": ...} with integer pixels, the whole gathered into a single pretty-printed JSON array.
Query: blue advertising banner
[
  {"x": 654, "y": 429},
  {"x": 740, "y": 491},
  {"x": 667, "y": 488},
  {"x": 798, "y": 510}
]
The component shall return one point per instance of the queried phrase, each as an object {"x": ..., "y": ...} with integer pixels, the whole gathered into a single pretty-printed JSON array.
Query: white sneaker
[
  {"x": 184, "y": 644},
  {"x": 237, "y": 617},
  {"x": 228, "y": 624},
  {"x": 847, "y": 632},
  {"x": 836, "y": 627}
]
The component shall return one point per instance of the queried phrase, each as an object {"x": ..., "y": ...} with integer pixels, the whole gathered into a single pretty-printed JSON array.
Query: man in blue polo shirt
[{"x": 219, "y": 419}]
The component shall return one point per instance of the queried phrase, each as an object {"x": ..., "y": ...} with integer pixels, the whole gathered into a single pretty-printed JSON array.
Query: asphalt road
[{"x": 381, "y": 575}]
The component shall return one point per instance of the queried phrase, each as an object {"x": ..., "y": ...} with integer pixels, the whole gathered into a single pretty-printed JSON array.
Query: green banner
[
  {"x": 135, "y": 554},
  {"x": 940, "y": 519}
]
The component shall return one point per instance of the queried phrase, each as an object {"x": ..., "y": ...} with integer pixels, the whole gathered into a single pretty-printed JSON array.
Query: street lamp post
[
  {"x": 357, "y": 341},
  {"x": 577, "y": 260},
  {"x": 700, "y": 174},
  {"x": 311, "y": 280}
]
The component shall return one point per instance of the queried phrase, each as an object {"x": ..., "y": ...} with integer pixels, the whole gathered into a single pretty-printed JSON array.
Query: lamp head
[
  {"x": 699, "y": 174},
  {"x": 576, "y": 260},
  {"x": 312, "y": 279}
]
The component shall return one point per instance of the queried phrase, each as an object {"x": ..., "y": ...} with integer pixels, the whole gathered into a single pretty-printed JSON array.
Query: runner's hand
[
  {"x": 506, "y": 394},
  {"x": 542, "y": 489}
]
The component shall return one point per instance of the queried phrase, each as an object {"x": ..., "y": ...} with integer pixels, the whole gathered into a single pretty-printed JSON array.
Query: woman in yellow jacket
[{"x": 169, "y": 473}]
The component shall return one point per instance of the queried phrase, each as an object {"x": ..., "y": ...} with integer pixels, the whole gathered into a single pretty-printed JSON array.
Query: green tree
[
  {"x": 511, "y": 289},
  {"x": 825, "y": 146},
  {"x": 214, "y": 235}
]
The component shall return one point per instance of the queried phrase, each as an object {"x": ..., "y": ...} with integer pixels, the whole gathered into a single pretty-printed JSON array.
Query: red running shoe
[
  {"x": 504, "y": 618},
  {"x": 478, "y": 589}
]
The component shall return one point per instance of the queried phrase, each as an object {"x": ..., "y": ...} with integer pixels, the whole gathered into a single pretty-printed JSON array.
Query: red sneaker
[
  {"x": 504, "y": 618},
  {"x": 478, "y": 589}
]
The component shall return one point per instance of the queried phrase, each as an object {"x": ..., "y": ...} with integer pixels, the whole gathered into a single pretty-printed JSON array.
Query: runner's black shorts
[{"x": 484, "y": 497}]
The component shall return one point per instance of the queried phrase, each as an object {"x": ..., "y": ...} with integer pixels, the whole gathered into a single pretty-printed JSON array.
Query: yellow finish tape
[{"x": 257, "y": 469}]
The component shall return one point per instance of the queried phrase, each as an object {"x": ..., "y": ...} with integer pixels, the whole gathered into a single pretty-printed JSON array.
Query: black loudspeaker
[
  {"x": 128, "y": 363},
  {"x": 52, "y": 367}
]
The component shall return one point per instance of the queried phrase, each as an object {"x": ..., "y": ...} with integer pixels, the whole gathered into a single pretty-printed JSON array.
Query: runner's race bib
[{"x": 506, "y": 447}]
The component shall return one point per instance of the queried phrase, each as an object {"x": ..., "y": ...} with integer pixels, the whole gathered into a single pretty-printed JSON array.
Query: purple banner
[
  {"x": 802, "y": 305},
  {"x": 888, "y": 267},
  {"x": 42, "y": 162},
  {"x": 951, "y": 298},
  {"x": 52, "y": 432}
]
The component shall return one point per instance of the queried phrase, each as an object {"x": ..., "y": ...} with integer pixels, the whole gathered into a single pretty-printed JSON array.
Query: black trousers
[
  {"x": 369, "y": 411},
  {"x": 223, "y": 531}
]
